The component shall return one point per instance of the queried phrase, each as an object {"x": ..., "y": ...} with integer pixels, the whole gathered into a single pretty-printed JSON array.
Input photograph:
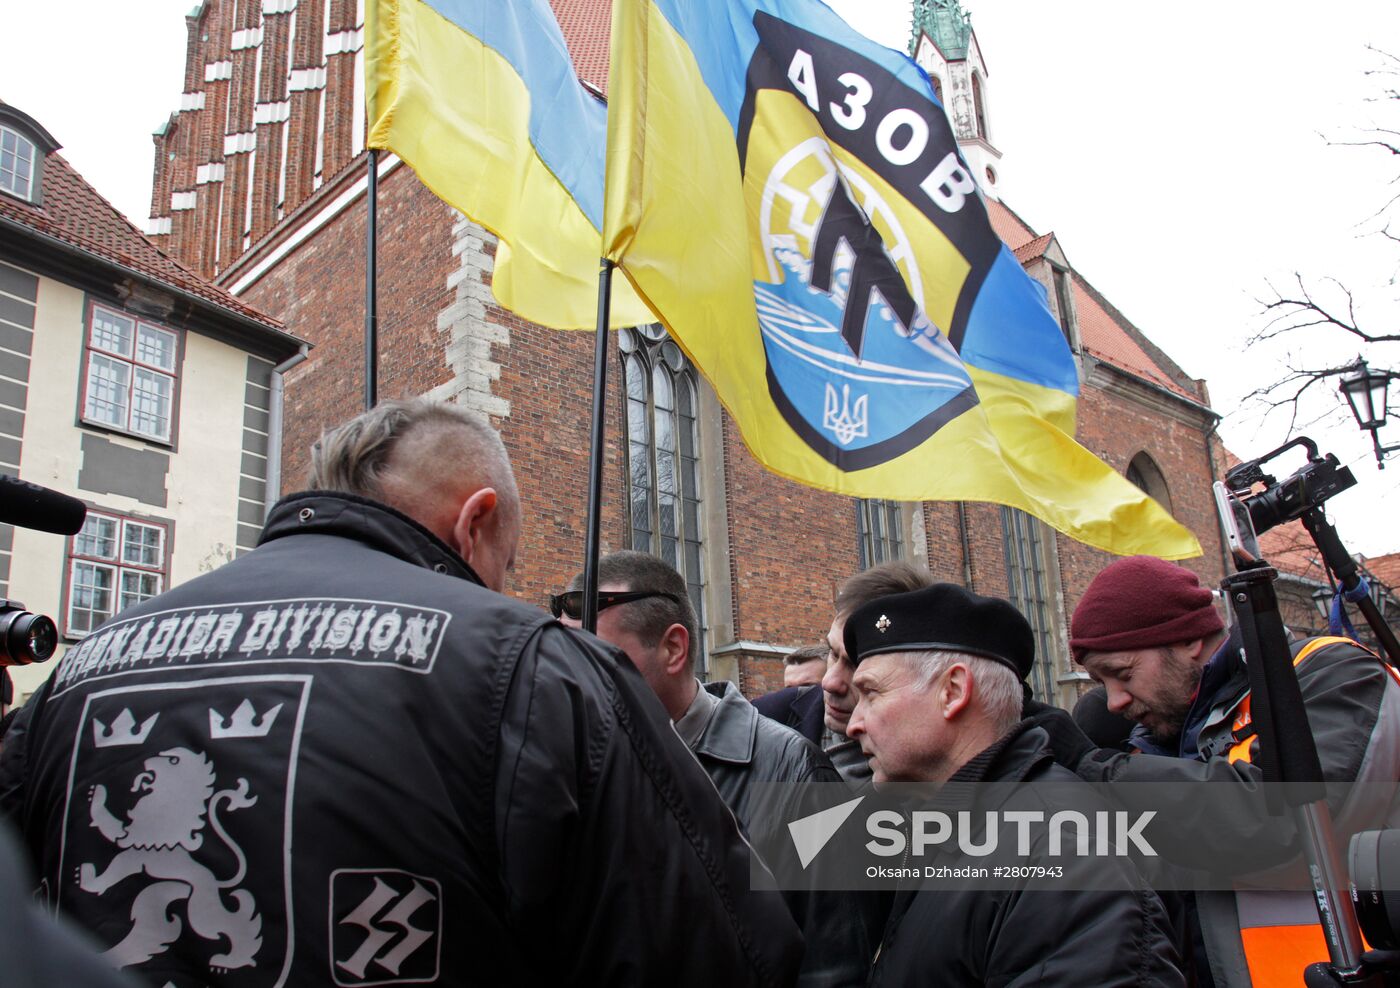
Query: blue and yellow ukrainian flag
[
  {"x": 481, "y": 99},
  {"x": 789, "y": 198}
]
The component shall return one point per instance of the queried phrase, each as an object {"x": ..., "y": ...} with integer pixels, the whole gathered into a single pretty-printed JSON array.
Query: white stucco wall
[
  {"x": 203, "y": 479},
  {"x": 203, "y": 475}
]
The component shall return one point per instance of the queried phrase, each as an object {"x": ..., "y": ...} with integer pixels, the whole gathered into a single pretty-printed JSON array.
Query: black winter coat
[
  {"x": 340, "y": 760},
  {"x": 972, "y": 936},
  {"x": 797, "y": 707}
]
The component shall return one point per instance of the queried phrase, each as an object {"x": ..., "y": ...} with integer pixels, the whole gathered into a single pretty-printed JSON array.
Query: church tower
[{"x": 944, "y": 45}]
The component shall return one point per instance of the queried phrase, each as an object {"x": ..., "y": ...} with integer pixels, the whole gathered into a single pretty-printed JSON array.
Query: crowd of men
[{"x": 347, "y": 758}]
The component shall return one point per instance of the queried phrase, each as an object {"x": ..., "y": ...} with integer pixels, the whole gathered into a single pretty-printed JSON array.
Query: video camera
[
  {"x": 1288, "y": 753},
  {"x": 1318, "y": 480}
]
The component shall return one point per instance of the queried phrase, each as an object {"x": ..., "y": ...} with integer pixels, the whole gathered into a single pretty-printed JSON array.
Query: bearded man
[{"x": 1149, "y": 632}]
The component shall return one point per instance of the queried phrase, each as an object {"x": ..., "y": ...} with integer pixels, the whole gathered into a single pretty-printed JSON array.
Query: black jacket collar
[
  {"x": 378, "y": 525},
  {"x": 730, "y": 734}
]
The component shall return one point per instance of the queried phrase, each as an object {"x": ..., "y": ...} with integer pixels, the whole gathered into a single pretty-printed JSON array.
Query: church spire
[
  {"x": 946, "y": 24},
  {"x": 944, "y": 45}
]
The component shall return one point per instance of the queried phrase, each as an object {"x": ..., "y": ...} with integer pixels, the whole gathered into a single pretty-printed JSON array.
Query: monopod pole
[
  {"x": 1340, "y": 562},
  {"x": 1288, "y": 755}
]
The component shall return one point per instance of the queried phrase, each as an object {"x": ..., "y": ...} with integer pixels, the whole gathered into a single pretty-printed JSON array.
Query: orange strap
[{"x": 1240, "y": 750}]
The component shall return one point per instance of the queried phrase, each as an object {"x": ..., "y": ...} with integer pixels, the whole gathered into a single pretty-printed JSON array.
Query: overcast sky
[{"x": 1178, "y": 153}]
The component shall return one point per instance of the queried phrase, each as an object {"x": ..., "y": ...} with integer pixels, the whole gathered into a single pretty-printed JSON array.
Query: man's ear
[
  {"x": 675, "y": 644},
  {"x": 478, "y": 513},
  {"x": 956, "y": 692}
]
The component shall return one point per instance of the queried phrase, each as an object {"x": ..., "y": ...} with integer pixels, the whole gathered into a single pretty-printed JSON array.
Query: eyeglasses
[{"x": 570, "y": 602}]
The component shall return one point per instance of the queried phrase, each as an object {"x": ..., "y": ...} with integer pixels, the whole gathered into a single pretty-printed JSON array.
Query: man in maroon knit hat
[
  {"x": 1146, "y": 629},
  {"x": 1151, "y": 634}
]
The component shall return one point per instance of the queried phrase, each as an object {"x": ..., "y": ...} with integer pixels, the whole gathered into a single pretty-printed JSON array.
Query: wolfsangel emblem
[
  {"x": 854, "y": 179},
  {"x": 178, "y": 811}
]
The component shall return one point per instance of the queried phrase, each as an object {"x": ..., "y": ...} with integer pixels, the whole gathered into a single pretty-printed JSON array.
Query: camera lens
[
  {"x": 1267, "y": 509},
  {"x": 1375, "y": 886},
  {"x": 26, "y": 637}
]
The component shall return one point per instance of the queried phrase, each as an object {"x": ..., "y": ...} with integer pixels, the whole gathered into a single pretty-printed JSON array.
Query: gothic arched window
[
  {"x": 1144, "y": 474},
  {"x": 979, "y": 107},
  {"x": 663, "y": 482}
]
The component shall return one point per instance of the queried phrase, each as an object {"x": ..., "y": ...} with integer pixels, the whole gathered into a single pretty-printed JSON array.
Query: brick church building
[{"x": 260, "y": 181}]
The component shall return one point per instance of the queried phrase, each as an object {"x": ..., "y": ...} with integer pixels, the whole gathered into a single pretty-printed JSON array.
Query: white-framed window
[
  {"x": 130, "y": 374},
  {"x": 16, "y": 164},
  {"x": 879, "y": 531},
  {"x": 113, "y": 563}
]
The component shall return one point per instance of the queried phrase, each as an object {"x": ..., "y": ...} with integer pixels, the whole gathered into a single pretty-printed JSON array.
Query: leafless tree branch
[{"x": 1323, "y": 308}]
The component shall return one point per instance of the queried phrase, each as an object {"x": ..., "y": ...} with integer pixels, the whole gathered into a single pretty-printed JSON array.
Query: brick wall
[
  {"x": 759, "y": 676},
  {"x": 270, "y": 108},
  {"x": 318, "y": 290},
  {"x": 1119, "y": 419},
  {"x": 790, "y": 547},
  {"x": 548, "y": 382}
]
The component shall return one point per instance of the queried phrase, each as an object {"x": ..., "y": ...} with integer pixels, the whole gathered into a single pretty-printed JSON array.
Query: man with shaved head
[{"x": 346, "y": 758}]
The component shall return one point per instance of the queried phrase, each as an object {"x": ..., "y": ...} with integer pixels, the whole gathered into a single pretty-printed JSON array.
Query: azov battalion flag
[{"x": 788, "y": 197}]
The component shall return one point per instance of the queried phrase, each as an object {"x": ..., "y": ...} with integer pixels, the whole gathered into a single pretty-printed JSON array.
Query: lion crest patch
[{"x": 177, "y": 814}]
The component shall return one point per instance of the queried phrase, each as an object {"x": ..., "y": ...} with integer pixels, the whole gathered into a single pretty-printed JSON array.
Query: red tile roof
[
  {"x": 1387, "y": 569},
  {"x": 1033, "y": 250},
  {"x": 73, "y": 212},
  {"x": 1103, "y": 331},
  {"x": 1106, "y": 338},
  {"x": 1290, "y": 549},
  {"x": 587, "y": 25},
  {"x": 1008, "y": 226}
]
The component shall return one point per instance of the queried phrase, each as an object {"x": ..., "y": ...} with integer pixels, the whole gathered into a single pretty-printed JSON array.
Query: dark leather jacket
[
  {"x": 741, "y": 748},
  {"x": 340, "y": 759},
  {"x": 800, "y": 708}
]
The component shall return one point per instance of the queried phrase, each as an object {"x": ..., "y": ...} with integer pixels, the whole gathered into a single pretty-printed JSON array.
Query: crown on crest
[
  {"x": 243, "y": 724},
  {"x": 123, "y": 730}
]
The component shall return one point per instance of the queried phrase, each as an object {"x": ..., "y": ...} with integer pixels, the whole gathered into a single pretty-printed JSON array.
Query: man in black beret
[
  {"x": 976, "y": 650},
  {"x": 938, "y": 678}
]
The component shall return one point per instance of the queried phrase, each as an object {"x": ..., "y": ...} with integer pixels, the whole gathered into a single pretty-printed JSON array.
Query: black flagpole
[
  {"x": 371, "y": 289},
  {"x": 595, "y": 448}
]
